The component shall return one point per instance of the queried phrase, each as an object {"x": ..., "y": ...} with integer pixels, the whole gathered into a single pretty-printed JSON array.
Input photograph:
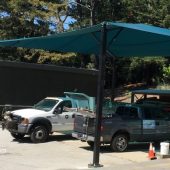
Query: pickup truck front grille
[
  {"x": 11, "y": 125},
  {"x": 11, "y": 122},
  {"x": 16, "y": 118}
]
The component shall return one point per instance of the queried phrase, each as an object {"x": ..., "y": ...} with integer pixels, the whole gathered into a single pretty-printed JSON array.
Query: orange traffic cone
[{"x": 151, "y": 153}]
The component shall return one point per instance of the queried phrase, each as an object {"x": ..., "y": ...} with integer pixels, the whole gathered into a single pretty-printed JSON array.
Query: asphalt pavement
[{"x": 62, "y": 152}]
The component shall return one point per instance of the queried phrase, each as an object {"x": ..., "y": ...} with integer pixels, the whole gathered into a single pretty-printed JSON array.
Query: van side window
[
  {"x": 166, "y": 112},
  {"x": 133, "y": 113},
  {"x": 147, "y": 113},
  {"x": 127, "y": 112},
  {"x": 120, "y": 110},
  {"x": 162, "y": 114}
]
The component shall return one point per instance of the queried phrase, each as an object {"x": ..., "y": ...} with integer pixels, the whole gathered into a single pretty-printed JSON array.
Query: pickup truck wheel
[
  {"x": 17, "y": 135},
  {"x": 39, "y": 134},
  {"x": 119, "y": 143},
  {"x": 91, "y": 144}
]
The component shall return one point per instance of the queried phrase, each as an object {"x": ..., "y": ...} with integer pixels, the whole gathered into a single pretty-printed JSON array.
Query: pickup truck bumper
[
  {"x": 82, "y": 137},
  {"x": 12, "y": 126}
]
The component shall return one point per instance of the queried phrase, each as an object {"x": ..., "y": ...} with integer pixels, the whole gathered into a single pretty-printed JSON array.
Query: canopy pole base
[{"x": 95, "y": 165}]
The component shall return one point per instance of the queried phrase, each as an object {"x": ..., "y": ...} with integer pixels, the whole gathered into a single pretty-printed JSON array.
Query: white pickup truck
[{"x": 47, "y": 116}]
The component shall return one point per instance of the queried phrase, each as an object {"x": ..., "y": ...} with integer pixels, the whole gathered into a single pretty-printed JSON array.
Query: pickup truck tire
[
  {"x": 39, "y": 134},
  {"x": 17, "y": 135},
  {"x": 119, "y": 143}
]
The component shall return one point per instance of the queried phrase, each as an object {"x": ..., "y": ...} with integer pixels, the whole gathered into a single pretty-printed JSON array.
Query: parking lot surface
[{"x": 66, "y": 153}]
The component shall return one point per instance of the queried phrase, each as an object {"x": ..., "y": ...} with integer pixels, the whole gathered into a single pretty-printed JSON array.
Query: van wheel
[
  {"x": 39, "y": 134},
  {"x": 91, "y": 144},
  {"x": 17, "y": 135},
  {"x": 119, "y": 143}
]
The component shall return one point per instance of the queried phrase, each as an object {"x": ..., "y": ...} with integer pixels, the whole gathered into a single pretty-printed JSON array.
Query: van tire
[
  {"x": 39, "y": 134},
  {"x": 119, "y": 143}
]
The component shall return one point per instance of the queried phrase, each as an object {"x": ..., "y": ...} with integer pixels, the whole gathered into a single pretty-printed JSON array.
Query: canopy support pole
[
  {"x": 113, "y": 95},
  {"x": 100, "y": 92}
]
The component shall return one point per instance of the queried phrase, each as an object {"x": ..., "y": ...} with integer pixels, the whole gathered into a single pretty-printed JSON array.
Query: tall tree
[{"x": 29, "y": 18}]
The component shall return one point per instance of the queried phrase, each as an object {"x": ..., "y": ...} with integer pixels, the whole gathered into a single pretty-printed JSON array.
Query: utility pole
[{"x": 92, "y": 12}]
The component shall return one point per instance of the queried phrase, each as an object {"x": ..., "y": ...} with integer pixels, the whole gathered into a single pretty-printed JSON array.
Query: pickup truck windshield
[{"x": 45, "y": 104}]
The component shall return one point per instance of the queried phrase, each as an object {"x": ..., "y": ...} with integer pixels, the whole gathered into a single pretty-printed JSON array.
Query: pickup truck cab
[
  {"x": 47, "y": 116},
  {"x": 127, "y": 123}
]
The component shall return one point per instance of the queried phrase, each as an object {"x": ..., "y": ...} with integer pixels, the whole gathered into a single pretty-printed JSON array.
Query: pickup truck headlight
[{"x": 24, "y": 121}]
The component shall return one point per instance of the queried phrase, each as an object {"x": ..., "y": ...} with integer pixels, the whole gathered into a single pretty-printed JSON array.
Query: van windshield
[{"x": 46, "y": 104}]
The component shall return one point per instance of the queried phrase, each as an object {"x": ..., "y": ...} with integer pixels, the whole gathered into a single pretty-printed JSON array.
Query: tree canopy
[{"x": 30, "y": 18}]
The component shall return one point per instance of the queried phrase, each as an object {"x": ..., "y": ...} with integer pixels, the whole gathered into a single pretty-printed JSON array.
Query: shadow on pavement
[
  {"x": 135, "y": 147},
  {"x": 61, "y": 137},
  {"x": 52, "y": 138}
]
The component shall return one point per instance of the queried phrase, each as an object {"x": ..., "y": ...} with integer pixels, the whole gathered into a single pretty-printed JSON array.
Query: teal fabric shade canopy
[{"x": 123, "y": 40}]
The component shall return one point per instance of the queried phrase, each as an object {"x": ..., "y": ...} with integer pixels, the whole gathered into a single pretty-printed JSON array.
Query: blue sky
[{"x": 4, "y": 14}]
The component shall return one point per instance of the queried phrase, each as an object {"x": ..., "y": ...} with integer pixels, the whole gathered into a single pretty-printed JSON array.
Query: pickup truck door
[
  {"x": 63, "y": 120},
  {"x": 131, "y": 121}
]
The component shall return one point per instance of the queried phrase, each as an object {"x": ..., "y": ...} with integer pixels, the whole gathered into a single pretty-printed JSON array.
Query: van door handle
[{"x": 157, "y": 123}]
